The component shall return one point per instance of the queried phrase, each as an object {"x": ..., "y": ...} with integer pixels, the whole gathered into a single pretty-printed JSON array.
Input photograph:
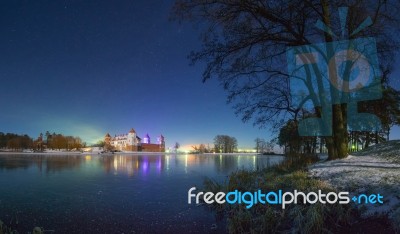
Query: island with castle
[{"x": 132, "y": 142}]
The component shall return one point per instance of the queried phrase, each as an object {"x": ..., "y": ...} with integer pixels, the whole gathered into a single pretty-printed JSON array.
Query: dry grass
[{"x": 263, "y": 218}]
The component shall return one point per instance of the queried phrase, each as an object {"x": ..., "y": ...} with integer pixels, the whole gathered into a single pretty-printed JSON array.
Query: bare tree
[
  {"x": 244, "y": 45},
  {"x": 258, "y": 142},
  {"x": 176, "y": 146},
  {"x": 201, "y": 148},
  {"x": 225, "y": 144}
]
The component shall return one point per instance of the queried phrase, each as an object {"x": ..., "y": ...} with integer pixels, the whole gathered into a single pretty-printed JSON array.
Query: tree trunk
[
  {"x": 341, "y": 137},
  {"x": 330, "y": 147},
  {"x": 338, "y": 148},
  {"x": 367, "y": 140}
]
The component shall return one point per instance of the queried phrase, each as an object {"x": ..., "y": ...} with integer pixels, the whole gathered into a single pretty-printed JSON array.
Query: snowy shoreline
[{"x": 375, "y": 170}]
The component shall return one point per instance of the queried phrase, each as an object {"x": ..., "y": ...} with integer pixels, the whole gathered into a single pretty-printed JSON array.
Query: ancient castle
[{"x": 131, "y": 142}]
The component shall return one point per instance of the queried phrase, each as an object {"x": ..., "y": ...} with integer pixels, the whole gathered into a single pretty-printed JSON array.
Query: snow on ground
[
  {"x": 52, "y": 152},
  {"x": 375, "y": 170}
]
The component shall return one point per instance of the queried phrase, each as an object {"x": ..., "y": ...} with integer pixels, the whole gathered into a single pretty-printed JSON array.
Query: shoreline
[
  {"x": 62, "y": 153},
  {"x": 373, "y": 171}
]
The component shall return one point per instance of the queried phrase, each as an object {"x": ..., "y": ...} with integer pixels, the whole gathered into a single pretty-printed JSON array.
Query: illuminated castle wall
[{"x": 131, "y": 142}]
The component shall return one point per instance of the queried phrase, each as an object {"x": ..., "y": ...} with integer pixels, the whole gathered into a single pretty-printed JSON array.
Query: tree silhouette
[
  {"x": 244, "y": 45},
  {"x": 225, "y": 144}
]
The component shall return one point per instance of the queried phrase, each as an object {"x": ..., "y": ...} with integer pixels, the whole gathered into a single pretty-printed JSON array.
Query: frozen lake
[{"x": 113, "y": 194}]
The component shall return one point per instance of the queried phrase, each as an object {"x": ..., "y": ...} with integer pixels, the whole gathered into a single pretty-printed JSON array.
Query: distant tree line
[
  {"x": 225, "y": 144},
  {"x": 14, "y": 141},
  {"x": 202, "y": 148},
  {"x": 222, "y": 144},
  {"x": 59, "y": 141}
]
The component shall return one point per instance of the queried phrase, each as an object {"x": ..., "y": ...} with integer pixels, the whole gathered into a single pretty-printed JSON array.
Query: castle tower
[
  {"x": 107, "y": 139},
  {"x": 146, "y": 139},
  {"x": 132, "y": 138},
  {"x": 161, "y": 142},
  {"x": 107, "y": 142}
]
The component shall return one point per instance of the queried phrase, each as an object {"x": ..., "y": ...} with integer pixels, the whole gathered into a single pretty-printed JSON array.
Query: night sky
[{"x": 85, "y": 68}]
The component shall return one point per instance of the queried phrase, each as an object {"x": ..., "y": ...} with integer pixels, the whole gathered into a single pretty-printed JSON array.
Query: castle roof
[
  {"x": 147, "y": 136},
  {"x": 132, "y": 131},
  {"x": 108, "y": 135}
]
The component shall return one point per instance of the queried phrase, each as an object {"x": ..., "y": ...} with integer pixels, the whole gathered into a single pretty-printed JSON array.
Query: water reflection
[
  {"x": 144, "y": 164},
  {"x": 227, "y": 163},
  {"x": 87, "y": 193},
  {"x": 133, "y": 164},
  {"x": 138, "y": 164},
  {"x": 43, "y": 163}
]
